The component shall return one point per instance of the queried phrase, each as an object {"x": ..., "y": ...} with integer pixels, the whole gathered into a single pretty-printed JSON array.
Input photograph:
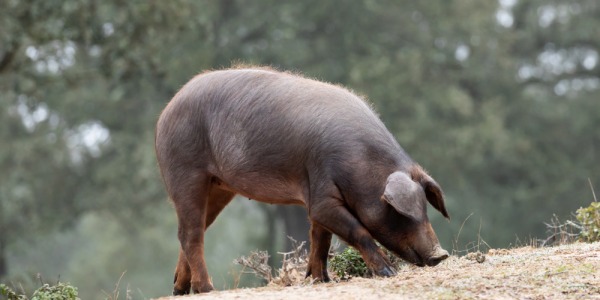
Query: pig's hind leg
[
  {"x": 190, "y": 194},
  {"x": 183, "y": 275},
  {"x": 217, "y": 200}
]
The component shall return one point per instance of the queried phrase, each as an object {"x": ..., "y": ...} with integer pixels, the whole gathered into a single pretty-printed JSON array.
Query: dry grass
[{"x": 562, "y": 272}]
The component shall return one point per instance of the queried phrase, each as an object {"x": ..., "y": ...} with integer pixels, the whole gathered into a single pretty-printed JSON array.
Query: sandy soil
[{"x": 564, "y": 272}]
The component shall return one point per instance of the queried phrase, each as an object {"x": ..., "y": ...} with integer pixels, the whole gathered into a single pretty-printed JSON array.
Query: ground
[{"x": 562, "y": 272}]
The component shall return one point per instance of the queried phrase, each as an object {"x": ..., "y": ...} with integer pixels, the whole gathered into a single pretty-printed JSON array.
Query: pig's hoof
[
  {"x": 386, "y": 272},
  {"x": 202, "y": 288},
  {"x": 181, "y": 288},
  {"x": 318, "y": 276},
  {"x": 178, "y": 292}
]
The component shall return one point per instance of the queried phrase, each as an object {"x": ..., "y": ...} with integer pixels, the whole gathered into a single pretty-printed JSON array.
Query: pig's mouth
[
  {"x": 414, "y": 258},
  {"x": 418, "y": 260}
]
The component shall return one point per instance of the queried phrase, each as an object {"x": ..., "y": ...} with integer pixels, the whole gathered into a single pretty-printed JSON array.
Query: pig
[{"x": 281, "y": 138}]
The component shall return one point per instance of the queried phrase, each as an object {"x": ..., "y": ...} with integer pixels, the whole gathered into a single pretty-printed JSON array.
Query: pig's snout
[{"x": 437, "y": 257}]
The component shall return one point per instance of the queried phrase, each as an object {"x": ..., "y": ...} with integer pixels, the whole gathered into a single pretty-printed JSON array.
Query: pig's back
[{"x": 253, "y": 121}]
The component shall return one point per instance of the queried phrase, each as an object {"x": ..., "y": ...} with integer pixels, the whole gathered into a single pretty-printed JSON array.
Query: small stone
[{"x": 476, "y": 256}]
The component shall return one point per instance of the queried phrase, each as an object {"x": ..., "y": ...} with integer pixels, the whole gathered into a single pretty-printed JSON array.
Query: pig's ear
[
  {"x": 435, "y": 196},
  {"x": 405, "y": 196},
  {"x": 433, "y": 192}
]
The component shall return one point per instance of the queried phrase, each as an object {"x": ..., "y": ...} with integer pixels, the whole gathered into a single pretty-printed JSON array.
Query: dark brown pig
[{"x": 280, "y": 138}]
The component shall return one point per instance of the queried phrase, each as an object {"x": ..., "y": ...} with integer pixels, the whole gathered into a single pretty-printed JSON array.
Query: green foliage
[
  {"x": 589, "y": 219},
  {"x": 10, "y": 294},
  {"x": 60, "y": 291},
  {"x": 349, "y": 263}
]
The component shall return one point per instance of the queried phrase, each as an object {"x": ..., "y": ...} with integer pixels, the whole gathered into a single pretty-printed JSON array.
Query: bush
[
  {"x": 348, "y": 264},
  {"x": 10, "y": 294},
  {"x": 60, "y": 291},
  {"x": 589, "y": 219}
]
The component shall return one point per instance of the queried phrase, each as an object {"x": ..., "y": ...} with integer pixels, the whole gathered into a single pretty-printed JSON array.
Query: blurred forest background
[{"x": 499, "y": 101}]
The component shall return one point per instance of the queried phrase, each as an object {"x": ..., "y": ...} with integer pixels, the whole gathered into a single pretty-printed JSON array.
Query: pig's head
[{"x": 405, "y": 228}]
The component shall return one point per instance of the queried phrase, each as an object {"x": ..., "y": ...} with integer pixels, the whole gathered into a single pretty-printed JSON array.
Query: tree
[
  {"x": 497, "y": 101},
  {"x": 70, "y": 73}
]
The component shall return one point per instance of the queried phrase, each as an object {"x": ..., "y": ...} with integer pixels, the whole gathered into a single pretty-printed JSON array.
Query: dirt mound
[{"x": 563, "y": 272}]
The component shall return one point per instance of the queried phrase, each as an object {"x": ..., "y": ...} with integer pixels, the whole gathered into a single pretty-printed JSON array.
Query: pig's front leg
[
  {"x": 331, "y": 214},
  {"x": 320, "y": 240}
]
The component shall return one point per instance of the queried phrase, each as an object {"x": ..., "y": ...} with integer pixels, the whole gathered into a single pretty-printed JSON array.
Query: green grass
[{"x": 60, "y": 291}]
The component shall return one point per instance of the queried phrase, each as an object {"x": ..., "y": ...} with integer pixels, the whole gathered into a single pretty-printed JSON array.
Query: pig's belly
[{"x": 264, "y": 188}]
